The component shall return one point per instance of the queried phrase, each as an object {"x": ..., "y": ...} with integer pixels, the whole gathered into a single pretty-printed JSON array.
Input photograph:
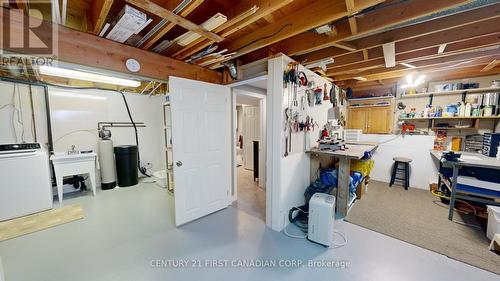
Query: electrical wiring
[
  {"x": 264, "y": 37},
  {"x": 474, "y": 211},
  {"x": 141, "y": 169},
  {"x": 20, "y": 117},
  {"x": 332, "y": 246},
  {"x": 93, "y": 131},
  {"x": 335, "y": 245},
  {"x": 458, "y": 210}
]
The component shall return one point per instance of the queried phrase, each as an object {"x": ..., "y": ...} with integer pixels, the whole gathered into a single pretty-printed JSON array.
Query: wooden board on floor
[{"x": 39, "y": 221}]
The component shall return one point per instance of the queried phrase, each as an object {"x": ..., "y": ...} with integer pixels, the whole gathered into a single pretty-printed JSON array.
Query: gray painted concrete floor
[{"x": 125, "y": 229}]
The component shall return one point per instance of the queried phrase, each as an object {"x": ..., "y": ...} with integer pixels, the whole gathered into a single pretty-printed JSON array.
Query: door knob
[{"x": 178, "y": 163}]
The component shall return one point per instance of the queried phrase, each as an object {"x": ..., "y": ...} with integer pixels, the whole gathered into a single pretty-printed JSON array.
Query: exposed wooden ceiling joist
[
  {"x": 491, "y": 65},
  {"x": 375, "y": 20},
  {"x": 450, "y": 74},
  {"x": 72, "y": 44},
  {"x": 352, "y": 20},
  {"x": 468, "y": 56},
  {"x": 431, "y": 26},
  {"x": 479, "y": 31},
  {"x": 265, "y": 8},
  {"x": 316, "y": 14},
  {"x": 155, "y": 9},
  {"x": 433, "y": 66},
  {"x": 100, "y": 10},
  {"x": 167, "y": 27}
]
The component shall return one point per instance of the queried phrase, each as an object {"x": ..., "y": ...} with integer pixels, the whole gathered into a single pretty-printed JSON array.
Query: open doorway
[{"x": 249, "y": 110}]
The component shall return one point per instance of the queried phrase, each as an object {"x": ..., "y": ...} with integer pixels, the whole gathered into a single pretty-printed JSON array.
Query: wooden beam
[
  {"x": 352, "y": 19},
  {"x": 155, "y": 9},
  {"x": 451, "y": 74},
  {"x": 346, "y": 46},
  {"x": 491, "y": 65},
  {"x": 343, "y": 64},
  {"x": 433, "y": 65},
  {"x": 389, "y": 54},
  {"x": 321, "y": 11},
  {"x": 427, "y": 27},
  {"x": 167, "y": 27},
  {"x": 201, "y": 43},
  {"x": 100, "y": 10},
  {"x": 107, "y": 54},
  {"x": 485, "y": 33},
  {"x": 419, "y": 63},
  {"x": 365, "y": 54},
  {"x": 381, "y": 18},
  {"x": 449, "y": 23}
]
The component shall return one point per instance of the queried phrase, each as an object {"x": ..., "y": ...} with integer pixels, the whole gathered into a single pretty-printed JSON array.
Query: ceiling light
[
  {"x": 409, "y": 79},
  {"x": 86, "y": 76},
  {"x": 324, "y": 29},
  {"x": 413, "y": 83},
  {"x": 408, "y": 65}
]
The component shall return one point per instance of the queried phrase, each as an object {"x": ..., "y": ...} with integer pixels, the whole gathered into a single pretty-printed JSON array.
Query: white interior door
[
  {"x": 251, "y": 128},
  {"x": 201, "y": 148}
]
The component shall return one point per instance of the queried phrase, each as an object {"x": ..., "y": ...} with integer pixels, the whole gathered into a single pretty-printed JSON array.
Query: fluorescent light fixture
[
  {"x": 86, "y": 76},
  {"x": 79, "y": 96},
  {"x": 408, "y": 65}
]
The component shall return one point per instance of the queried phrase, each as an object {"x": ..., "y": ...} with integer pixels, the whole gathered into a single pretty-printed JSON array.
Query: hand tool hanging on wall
[
  {"x": 325, "y": 93},
  {"x": 317, "y": 94}
]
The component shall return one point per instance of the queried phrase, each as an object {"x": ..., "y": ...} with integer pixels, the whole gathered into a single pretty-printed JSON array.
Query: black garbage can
[{"x": 126, "y": 165}]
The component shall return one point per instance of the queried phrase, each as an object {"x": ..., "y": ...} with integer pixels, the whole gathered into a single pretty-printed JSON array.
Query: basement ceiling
[{"x": 430, "y": 38}]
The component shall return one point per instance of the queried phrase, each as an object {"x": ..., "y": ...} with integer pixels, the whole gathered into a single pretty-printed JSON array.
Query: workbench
[
  {"x": 467, "y": 159},
  {"x": 353, "y": 151}
]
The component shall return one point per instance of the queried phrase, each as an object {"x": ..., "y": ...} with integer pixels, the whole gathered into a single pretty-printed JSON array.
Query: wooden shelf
[
  {"x": 453, "y": 128},
  {"x": 451, "y": 118},
  {"x": 455, "y": 92}
]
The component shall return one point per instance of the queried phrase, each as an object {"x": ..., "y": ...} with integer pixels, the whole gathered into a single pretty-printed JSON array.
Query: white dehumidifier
[{"x": 321, "y": 219}]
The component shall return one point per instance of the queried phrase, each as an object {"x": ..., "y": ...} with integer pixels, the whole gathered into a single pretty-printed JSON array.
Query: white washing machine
[{"x": 25, "y": 186}]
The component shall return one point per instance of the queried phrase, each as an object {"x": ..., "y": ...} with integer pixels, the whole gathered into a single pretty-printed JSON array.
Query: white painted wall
[
  {"x": 73, "y": 110},
  {"x": 417, "y": 147},
  {"x": 289, "y": 175},
  {"x": 75, "y": 114},
  {"x": 10, "y": 120}
]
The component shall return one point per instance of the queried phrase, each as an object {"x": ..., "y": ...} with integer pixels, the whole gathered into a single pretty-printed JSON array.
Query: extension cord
[{"x": 332, "y": 246}]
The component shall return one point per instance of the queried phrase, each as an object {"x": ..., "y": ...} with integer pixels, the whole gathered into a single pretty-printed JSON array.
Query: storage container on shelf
[{"x": 493, "y": 221}]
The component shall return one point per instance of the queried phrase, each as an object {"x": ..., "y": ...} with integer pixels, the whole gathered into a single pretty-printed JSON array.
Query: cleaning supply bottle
[
  {"x": 468, "y": 109},
  {"x": 461, "y": 111}
]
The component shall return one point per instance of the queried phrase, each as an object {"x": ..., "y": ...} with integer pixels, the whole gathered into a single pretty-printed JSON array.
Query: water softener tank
[
  {"x": 126, "y": 157},
  {"x": 107, "y": 164}
]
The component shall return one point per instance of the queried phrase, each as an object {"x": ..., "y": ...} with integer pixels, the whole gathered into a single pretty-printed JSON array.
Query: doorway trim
[{"x": 262, "y": 96}]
